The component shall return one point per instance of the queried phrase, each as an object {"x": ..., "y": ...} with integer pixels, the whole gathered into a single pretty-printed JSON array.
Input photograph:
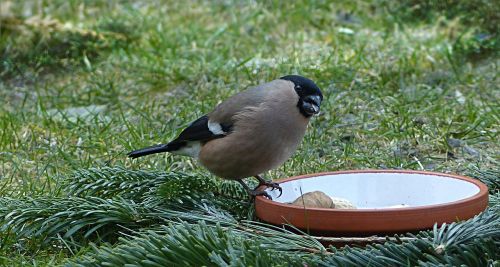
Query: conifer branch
[{"x": 169, "y": 218}]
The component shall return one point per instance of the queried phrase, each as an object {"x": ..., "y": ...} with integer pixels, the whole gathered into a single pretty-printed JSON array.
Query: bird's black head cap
[{"x": 310, "y": 95}]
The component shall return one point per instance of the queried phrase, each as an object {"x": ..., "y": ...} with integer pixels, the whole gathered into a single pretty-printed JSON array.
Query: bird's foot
[
  {"x": 270, "y": 184},
  {"x": 255, "y": 192},
  {"x": 273, "y": 186}
]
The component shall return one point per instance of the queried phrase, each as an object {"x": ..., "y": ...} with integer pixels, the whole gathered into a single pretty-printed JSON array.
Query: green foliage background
[{"x": 407, "y": 84}]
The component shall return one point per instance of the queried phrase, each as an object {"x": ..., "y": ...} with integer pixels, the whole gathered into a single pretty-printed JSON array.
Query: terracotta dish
[{"x": 387, "y": 201}]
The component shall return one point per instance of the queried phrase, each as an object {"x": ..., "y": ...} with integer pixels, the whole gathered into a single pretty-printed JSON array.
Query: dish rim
[{"x": 483, "y": 189}]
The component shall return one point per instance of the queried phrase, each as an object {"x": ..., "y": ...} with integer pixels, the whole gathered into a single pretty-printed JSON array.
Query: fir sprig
[
  {"x": 109, "y": 182},
  {"x": 184, "y": 244},
  {"x": 76, "y": 218},
  {"x": 169, "y": 218},
  {"x": 189, "y": 245},
  {"x": 454, "y": 244},
  {"x": 48, "y": 217},
  {"x": 490, "y": 177}
]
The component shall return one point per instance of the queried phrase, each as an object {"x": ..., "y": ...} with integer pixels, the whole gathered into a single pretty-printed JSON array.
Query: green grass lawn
[{"x": 412, "y": 85}]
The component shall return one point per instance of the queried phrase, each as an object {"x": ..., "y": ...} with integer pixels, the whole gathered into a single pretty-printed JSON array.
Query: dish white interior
[{"x": 381, "y": 190}]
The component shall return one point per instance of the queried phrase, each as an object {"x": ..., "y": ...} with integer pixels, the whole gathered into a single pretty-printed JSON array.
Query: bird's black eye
[{"x": 298, "y": 88}]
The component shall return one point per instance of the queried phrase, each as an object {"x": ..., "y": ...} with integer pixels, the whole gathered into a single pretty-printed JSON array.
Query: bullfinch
[{"x": 251, "y": 132}]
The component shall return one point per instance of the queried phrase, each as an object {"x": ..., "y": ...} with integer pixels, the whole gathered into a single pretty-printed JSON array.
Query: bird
[{"x": 250, "y": 133}]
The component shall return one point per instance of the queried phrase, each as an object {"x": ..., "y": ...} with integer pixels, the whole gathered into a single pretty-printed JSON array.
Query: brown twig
[
  {"x": 368, "y": 239},
  {"x": 342, "y": 240}
]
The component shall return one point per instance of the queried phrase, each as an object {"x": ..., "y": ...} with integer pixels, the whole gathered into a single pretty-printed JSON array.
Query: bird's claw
[
  {"x": 263, "y": 193},
  {"x": 273, "y": 186}
]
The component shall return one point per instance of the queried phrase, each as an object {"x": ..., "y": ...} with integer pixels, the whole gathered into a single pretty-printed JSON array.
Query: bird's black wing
[{"x": 198, "y": 130}]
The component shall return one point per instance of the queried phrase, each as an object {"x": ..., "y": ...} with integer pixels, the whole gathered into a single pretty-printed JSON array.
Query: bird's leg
[
  {"x": 269, "y": 184},
  {"x": 255, "y": 192}
]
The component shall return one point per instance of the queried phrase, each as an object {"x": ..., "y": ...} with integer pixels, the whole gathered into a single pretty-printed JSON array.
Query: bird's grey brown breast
[{"x": 263, "y": 137}]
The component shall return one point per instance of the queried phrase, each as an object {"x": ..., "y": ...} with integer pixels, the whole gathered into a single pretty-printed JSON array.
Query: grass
[{"x": 82, "y": 83}]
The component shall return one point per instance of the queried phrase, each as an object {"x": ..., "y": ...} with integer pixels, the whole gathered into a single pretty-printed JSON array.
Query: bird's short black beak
[{"x": 311, "y": 105}]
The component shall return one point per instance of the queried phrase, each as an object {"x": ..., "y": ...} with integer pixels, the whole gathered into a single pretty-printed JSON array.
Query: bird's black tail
[{"x": 149, "y": 150}]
